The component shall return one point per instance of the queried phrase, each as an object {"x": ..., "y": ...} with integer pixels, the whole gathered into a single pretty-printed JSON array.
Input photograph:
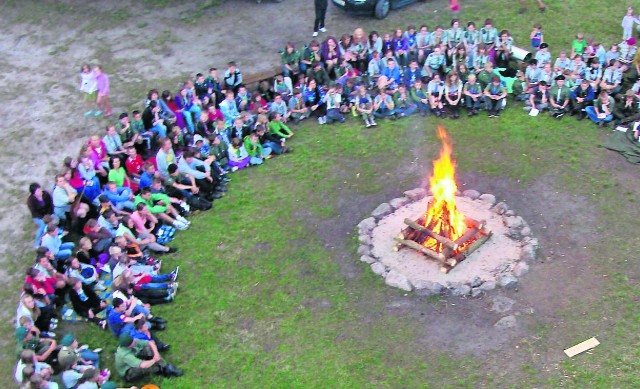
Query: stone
[
  {"x": 427, "y": 288},
  {"x": 513, "y": 221},
  {"x": 514, "y": 233},
  {"x": 416, "y": 194},
  {"x": 381, "y": 211},
  {"x": 367, "y": 259},
  {"x": 526, "y": 231},
  {"x": 364, "y": 239},
  {"x": 488, "y": 285},
  {"x": 528, "y": 253},
  {"x": 459, "y": 289},
  {"x": 507, "y": 281},
  {"x": 378, "y": 268},
  {"x": 399, "y": 202},
  {"x": 476, "y": 292},
  {"x": 502, "y": 304},
  {"x": 475, "y": 282},
  {"x": 398, "y": 280},
  {"x": 534, "y": 243},
  {"x": 471, "y": 193},
  {"x": 506, "y": 322},
  {"x": 509, "y": 213},
  {"x": 488, "y": 199},
  {"x": 365, "y": 226},
  {"x": 520, "y": 269},
  {"x": 500, "y": 208},
  {"x": 364, "y": 250}
]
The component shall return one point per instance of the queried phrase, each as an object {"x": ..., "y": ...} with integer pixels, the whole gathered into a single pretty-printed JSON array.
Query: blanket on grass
[
  {"x": 68, "y": 314},
  {"x": 623, "y": 143}
]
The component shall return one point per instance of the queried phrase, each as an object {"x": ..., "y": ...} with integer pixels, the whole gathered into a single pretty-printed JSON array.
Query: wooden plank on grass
[{"x": 581, "y": 347}]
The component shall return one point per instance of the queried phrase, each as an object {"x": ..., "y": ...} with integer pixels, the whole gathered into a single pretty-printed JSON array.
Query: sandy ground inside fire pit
[{"x": 484, "y": 262}]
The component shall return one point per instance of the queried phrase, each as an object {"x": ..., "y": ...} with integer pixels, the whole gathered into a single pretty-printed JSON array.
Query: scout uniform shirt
[
  {"x": 435, "y": 61},
  {"x": 454, "y": 36},
  {"x": 488, "y": 35},
  {"x": 612, "y": 76},
  {"x": 543, "y": 57},
  {"x": 562, "y": 63},
  {"x": 560, "y": 94},
  {"x": 474, "y": 89},
  {"x": 532, "y": 74}
]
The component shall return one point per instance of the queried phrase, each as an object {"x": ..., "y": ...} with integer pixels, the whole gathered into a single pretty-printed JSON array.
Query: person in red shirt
[{"x": 133, "y": 164}]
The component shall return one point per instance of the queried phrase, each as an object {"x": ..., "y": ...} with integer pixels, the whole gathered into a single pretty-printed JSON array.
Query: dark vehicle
[{"x": 378, "y": 8}]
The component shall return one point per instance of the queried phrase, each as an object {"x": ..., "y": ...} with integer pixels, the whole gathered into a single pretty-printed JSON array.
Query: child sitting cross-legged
[{"x": 365, "y": 106}]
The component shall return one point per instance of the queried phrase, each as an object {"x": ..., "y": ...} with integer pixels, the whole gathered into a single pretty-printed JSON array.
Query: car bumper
[{"x": 366, "y": 8}]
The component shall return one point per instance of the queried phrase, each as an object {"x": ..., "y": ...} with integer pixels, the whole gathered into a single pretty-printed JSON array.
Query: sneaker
[
  {"x": 171, "y": 251},
  {"x": 174, "y": 273},
  {"x": 83, "y": 347},
  {"x": 320, "y": 120},
  {"x": 323, "y": 29},
  {"x": 97, "y": 350},
  {"x": 179, "y": 225},
  {"x": 181, "y": 219},
  {"x": 373, "y": 122},
  {"x": 97, "y": 113},
  {"x": 496, "y": 114},
  {"x": 367, "y": 124},
  {"x": 315, "y": 34},
  {"x": 88, "y": 113},
  {"x": 234, "y": 169},
  {"x": 48, "y": 334},
  {"x": 491, "y": 114},
  {"x": 53, "y": 326}
]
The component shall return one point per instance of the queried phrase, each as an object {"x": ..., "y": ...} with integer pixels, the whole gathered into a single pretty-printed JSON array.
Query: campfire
[{"x": 443, "y": 233}]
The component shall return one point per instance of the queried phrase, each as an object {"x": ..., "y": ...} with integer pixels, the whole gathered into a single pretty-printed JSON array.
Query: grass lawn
[{"x": 272, "y": 293}]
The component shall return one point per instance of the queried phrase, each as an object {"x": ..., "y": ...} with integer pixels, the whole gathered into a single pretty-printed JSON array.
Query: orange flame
[{"x": 443, "y": 217}]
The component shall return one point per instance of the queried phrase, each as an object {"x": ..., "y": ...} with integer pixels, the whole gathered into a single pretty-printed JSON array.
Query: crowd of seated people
[
  {"x": 444, "y": 71},
  {"x": 116, "y": 206}
]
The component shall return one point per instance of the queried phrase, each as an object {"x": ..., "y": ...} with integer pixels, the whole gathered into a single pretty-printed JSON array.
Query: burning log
[
  {"x": 467, "y": 236},
  {"x": 441, "y": 239},
  {"x": 472, "y": 223},
  {"x": 418, "y": 247},
  {"x": 474, "y": 246}
]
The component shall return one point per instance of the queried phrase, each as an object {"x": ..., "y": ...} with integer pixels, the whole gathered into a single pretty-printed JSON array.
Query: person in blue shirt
[
  {"x": 581, "y": 97},
  {"x": 412, "y": 73},
  {"x": 392, "y": 74}
]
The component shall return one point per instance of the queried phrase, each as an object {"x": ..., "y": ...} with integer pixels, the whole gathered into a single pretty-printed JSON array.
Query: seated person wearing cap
[
  {"x": 581, "y": 97},
  {"x": 137, "y": 358},
  {"x": 86, "y": 357},
  {"x": 625, "y": 110},
  {"x": 559, "y": 98}
]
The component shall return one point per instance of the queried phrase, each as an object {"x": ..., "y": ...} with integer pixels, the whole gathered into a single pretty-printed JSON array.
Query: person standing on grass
[
  {"x": 321, "y": 12},
  {"x": 89, "y": 87},
  {"x": 102, "y": 84}
]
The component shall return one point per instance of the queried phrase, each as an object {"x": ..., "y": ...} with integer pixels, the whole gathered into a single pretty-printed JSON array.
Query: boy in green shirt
[
  {"x": 136, "y": 358},
  {"x": 559, "y": 98},
  {"x": 494, "y": 97}
]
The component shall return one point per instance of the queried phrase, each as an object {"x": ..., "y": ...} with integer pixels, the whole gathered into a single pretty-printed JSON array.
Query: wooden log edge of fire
[
  {"x": 450, "y": 263},
  {"x": 441, "y": 239},
  {"x": 421, "y": 248}
]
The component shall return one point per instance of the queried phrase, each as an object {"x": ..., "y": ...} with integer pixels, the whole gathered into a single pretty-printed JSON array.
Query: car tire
[{"x": 382, "y": 9}]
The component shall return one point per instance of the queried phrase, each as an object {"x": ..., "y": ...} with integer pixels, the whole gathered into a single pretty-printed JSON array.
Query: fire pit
[
  {"x": 464, "y": 243},
  {"x": 444, "y": 233}
]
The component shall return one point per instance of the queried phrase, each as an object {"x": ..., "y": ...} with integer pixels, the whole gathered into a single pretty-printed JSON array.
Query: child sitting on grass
[
  {"x": 277, "y": 128},
  {"x": 238, "y": 156},
  {"x": 365, "y": 106}
]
